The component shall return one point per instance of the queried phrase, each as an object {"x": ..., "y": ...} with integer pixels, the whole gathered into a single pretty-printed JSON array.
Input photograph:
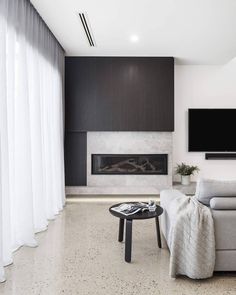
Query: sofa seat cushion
[
  {"x": 225, "y": 225},
  {"x": 223, "y": 203},
  {"x": 208, "y": 188}
]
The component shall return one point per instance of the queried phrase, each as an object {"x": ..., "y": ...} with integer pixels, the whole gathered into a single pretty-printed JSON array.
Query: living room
[{"x": 117, "y": 147}]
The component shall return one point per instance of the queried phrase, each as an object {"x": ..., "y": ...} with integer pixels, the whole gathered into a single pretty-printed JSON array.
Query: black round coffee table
[{"x": 129, "y": 221}]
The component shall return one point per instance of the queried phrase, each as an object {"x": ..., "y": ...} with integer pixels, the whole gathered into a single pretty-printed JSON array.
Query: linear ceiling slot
[{"x": 88, "y": 31}]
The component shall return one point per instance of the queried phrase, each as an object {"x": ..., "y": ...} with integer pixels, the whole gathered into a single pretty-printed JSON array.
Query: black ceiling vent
[{"x": 88, "y": 31}]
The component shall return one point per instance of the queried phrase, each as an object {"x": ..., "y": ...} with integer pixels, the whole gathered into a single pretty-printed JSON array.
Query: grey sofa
[{"x": 221, "y": 199}]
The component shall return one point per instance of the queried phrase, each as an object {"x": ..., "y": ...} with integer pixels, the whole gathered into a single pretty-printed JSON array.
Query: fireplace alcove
[
  {"x": 154, "y": 164},
  {"x": 118, "y": 105}
]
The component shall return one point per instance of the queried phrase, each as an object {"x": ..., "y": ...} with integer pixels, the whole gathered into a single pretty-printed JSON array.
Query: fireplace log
[{"x": 131, "y": 166}]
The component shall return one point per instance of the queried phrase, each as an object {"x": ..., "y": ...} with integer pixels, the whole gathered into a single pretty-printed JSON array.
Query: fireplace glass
[{"x": 154, "y": 164}]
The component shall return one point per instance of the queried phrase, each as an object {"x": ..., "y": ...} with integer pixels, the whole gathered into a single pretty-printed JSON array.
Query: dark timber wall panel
[
  {"x": 119, "y": 93},
  {"x": 76, "y": 158}
]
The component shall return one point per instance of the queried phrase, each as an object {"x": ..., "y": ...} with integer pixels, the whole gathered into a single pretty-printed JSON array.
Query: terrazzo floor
[{"x": 80, "y": 254}]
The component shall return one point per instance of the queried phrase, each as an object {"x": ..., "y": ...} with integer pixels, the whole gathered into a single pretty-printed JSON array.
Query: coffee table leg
[
  {"x": 121, "y": 230},
  {"x": 128, "y": 240},
  {"x": 158, "y": 232}
]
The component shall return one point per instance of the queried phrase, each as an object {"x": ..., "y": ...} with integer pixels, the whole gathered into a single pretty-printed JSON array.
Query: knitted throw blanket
[{"x": 191, "y": 239}]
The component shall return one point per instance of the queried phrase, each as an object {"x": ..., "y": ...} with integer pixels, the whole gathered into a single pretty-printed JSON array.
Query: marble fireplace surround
[{"x": 127, "y": 143}]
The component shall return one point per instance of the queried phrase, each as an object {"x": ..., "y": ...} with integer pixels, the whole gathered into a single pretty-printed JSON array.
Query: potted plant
[{"x": 185, "y": 171}]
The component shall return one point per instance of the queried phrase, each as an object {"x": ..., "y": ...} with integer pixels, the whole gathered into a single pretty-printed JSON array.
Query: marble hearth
[{"x": 126, "y": 143}]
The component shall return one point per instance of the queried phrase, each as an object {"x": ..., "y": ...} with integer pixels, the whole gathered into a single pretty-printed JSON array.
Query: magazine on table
[{"x": 130, "y": 208}]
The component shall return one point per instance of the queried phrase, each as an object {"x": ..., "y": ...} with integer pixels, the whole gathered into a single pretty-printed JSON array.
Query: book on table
[{"x": 130, "y": 208}]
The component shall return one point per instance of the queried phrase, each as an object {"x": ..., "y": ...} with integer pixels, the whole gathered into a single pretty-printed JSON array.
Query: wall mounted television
[{"x": 212, "y": 130}]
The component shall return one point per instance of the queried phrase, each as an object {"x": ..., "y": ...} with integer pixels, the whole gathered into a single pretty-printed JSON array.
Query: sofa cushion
[
  {"x": 223, "y": 203},
  {"x": 209, "y": 188},
  {"x": 225, "y": 233}
]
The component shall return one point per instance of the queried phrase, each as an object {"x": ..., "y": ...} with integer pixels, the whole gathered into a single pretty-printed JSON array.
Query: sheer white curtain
[{"x": 31, "y": 127}]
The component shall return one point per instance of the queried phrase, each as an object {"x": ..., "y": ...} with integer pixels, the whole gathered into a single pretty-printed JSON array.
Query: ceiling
[{"x": 193, "y": 31}]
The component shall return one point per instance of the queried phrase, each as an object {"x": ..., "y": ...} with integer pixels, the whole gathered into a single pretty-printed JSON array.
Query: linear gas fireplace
[{"x": 154, "y": 164}]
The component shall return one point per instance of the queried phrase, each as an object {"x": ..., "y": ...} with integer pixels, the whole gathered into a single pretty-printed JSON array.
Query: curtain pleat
[{"x": 31, "y": 127}]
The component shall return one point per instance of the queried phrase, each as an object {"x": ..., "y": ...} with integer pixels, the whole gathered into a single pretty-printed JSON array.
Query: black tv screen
[{"x": 212, "y": 130}]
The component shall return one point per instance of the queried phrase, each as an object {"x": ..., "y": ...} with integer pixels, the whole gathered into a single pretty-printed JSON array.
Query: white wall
[{"x": 202, "y": 87}]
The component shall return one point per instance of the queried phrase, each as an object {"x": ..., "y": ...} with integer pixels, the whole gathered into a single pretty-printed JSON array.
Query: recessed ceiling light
[{"x": 134, "y": 38}]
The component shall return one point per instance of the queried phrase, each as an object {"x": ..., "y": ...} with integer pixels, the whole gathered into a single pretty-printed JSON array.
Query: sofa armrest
[
  {"x": 168, "y": 195},
  {"x": 223, "y": 203}
]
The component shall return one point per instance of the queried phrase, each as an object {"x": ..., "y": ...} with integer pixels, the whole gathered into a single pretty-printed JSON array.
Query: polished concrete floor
[{"x": 80, "y": 254}]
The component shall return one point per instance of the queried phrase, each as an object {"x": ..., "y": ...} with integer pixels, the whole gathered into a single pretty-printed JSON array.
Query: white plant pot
[{"x": 185, "y": 179}]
